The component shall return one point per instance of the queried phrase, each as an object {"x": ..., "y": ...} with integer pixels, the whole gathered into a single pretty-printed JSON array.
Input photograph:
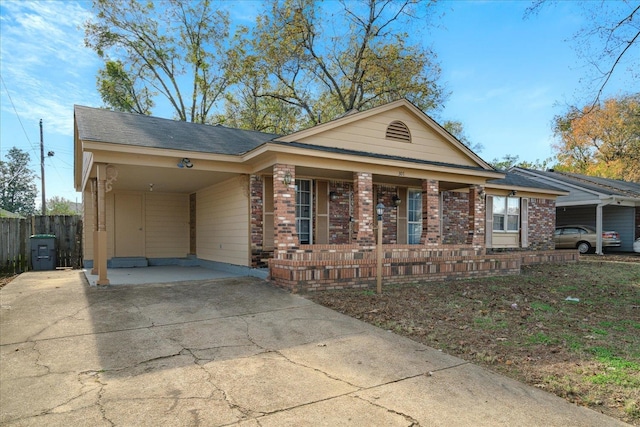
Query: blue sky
[{"x": 507, "y": 76}]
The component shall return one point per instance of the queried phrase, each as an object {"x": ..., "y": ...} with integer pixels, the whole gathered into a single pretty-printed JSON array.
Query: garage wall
[
  {"x": 617, "y": 218},
  {"x": 167, "y": 225},
  {"x": 223, "y": 222}
]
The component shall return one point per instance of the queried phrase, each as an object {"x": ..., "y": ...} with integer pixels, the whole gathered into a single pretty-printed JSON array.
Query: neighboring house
[
  {"x": 159, "y": 191},
  {"x": 605, "y": 204}
]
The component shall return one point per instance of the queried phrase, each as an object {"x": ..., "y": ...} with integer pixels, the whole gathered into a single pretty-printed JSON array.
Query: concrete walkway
[{"x": 233, "y": 352}]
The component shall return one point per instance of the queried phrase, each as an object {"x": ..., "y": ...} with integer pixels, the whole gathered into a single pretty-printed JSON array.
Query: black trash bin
[{"x": 43, "y": 251}]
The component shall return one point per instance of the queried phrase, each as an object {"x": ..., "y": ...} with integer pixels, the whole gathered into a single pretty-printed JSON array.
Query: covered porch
[{"x": 324, "y": 233}]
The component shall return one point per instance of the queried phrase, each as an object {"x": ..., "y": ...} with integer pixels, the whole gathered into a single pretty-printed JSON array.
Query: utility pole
[{"x": 44, "y": 206}]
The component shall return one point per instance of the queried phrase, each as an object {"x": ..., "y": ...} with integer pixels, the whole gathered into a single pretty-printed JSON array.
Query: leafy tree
[
  {"x": 18, "y": 190},
  {"x": 60, "y": 206},
  {"x": 456, "y": 129},
  {"x": 509, "y": 161},
  {"x": 608, "y": 41},
  {"x": 315, "y": 61},
  {"x": 175, "y": 48},
  {"x": 605, "y": 142}
]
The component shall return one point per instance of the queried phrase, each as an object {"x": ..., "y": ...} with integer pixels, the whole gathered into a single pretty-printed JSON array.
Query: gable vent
[{"x": 398, "y": 131}]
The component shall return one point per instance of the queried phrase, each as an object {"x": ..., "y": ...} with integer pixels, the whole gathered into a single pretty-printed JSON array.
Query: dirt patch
[
  {"x": 4, "y": 280},
  {"x": 573, "y": 330}
]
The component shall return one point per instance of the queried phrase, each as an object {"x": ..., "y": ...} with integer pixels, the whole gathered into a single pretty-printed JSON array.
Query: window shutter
[
  {"x": 488, "y": 233},
  {"x": 524, "y": 223}
]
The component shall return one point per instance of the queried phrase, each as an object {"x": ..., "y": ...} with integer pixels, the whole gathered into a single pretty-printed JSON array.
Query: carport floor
[{"x": 157, "y": 274}]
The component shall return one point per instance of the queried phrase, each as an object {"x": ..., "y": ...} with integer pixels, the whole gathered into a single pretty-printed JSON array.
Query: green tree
[
  {"x": 18, "y": 190},
  {"x": 60, "y": 206},
  {"x": 456, "y": 129},
  {"x": 177, "y": 49},
  {"x": 601, "y": 140},
  {"x": 327, "y": 59},
  {"x": 508, "y": 161}
]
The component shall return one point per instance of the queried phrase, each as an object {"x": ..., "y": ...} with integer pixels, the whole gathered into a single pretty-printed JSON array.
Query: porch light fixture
[
  {"x": 185, "y": 163},
  {"x": 333, "y": 195},
  {"x": 396, "y": 200},
  {"x": 513, "y": 192},
  {"x": 287, "y": 178},
  {"x": 380, "y": 210},
  {"x": 481, "y": 193}
]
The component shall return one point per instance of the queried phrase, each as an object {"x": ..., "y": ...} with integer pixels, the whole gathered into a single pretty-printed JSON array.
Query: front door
[{"x": 129, "y": 230}]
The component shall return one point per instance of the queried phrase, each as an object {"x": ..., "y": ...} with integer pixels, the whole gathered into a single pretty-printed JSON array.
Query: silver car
[{"x": 583, "y": 238}]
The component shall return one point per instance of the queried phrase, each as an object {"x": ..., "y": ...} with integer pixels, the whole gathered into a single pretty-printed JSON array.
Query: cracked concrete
[{"x": 235, "y": 352}]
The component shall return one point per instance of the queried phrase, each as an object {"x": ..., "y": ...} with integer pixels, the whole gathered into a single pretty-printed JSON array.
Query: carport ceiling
[{"x": 166, "y": 180}]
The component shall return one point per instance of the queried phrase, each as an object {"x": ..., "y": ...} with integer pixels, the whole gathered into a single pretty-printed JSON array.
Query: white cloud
[{"x": 44, "y": 63}]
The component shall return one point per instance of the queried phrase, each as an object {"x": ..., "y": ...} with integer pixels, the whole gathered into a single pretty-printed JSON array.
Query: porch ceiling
[{"x": 168, "y": 180}]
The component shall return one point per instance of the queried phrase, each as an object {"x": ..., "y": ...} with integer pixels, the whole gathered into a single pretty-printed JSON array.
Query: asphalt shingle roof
[
  {"x": 606, "y": 186},
  {"x": 516, "y": 180},
  {"x": 96, "y": 124}
]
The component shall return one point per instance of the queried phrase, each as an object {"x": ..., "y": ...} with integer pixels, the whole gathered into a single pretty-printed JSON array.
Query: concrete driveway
[{"x": 233, "y": 351}]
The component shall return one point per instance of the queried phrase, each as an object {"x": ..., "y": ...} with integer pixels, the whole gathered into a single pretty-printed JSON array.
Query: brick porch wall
[
  {"x": 385, "y": 195},
  {"x": 476, "y": 234},
  {"x": 542, "y": 224},
  {"x": 340, "y": 225},
  {"x": 324, "y": 267},
  {"x": 455, "y": 217}
]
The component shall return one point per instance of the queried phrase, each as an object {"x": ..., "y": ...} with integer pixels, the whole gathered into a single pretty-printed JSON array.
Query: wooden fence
[{"x": 15, "y": 246}]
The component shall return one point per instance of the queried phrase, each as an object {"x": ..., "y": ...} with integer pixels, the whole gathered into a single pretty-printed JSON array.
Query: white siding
[{"x": 223, "y": 222}]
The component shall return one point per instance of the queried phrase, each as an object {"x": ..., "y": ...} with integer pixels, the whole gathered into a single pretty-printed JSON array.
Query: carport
[{"x": 605, "y": 204}]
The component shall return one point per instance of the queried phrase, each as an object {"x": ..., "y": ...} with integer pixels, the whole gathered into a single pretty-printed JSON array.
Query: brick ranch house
[{"x": 300, "y": 208}]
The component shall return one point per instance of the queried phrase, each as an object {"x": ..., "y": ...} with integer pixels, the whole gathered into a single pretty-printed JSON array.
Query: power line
[{"x": 17, "y": 115}]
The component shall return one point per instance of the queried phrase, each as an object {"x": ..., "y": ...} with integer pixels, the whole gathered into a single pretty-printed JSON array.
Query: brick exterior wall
[
  {"x": 542, "y": 224},
  {"x": 363, "y": 207},
  {"x": 430, "y": 212},
  {"x": 340, "y": 224},
  {"x": 385, "y": 195},
  {"x": 476, "y": 236},
  {"x": 455, "y": 217},
  {"x": 284, "y": 209}
]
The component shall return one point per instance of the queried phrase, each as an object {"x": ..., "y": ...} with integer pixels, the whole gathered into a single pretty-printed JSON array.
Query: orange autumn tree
[{"x": 601, "y": 140}]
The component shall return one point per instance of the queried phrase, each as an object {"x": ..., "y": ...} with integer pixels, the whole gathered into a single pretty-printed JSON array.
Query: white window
[
  {"x": 506, "y": 213},
  {"x": 303, "y": 211},
  {"x": 414, "y": 216}
]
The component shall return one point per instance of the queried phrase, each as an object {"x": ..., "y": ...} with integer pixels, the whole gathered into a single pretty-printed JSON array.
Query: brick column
[
  {"x": 284, "y": 209},
  {"x": 476, "y": 232},
  {"x": 430, "y": 212},
  {"x": 363, "y": 205},
  {"x": 256, "y": 195}
]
